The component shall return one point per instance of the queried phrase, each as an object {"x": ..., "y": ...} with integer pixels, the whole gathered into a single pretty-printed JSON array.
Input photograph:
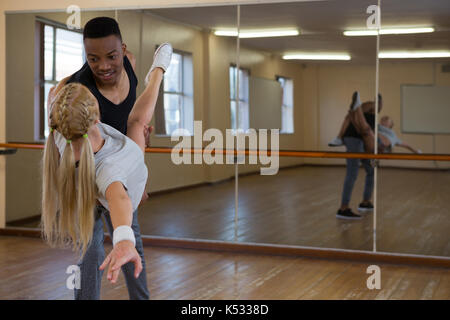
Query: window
[
  {"x": 287, "y": 107},
  {"x": 178, "y": 92},
  {"x": 243, "y": 115},
  {"x": 61, "y": 55}
]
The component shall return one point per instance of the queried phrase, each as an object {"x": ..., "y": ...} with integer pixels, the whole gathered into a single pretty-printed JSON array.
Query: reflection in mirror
[
  {"x": 23, "y": 181},
  {"x": 191, "y": 199},
  {"x": 303, "y": 70},
  {"x": 415, "y": 75},
  {"x": 415, "y": 84},
  {"x": 186, "y": 200},
  {"x": 297, "y": 206},
  {"x": 297, "y": 53},
  {"x": 413, "y": 214}
]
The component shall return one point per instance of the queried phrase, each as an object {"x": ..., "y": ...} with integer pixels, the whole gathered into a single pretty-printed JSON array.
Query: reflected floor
[{"x": 298, "y": 207}]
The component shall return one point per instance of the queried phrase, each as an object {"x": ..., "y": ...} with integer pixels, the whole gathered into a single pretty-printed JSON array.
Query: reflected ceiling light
[
  {"x": 226, "y": 33},
  {"x": 406, "y": 30},
  {"x": 356, "y": 33},
  {"x": 413, "y": 54},
  {"x": 353, "y": 33},
  {"x": 317, "y": 56},
  {"x": 258, "y": 33}
]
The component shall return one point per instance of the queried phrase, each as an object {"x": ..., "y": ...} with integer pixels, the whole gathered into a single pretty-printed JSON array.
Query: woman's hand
[{"x": 123, "y": 252}]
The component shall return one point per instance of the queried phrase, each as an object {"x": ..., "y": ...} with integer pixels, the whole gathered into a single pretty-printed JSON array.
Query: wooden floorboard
[{"x": 29, "y": 269}]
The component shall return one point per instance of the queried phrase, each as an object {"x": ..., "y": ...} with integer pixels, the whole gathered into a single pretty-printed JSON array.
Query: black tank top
[
  {"x": 351, "y": 130},
  {"x": 115, "y": 115}
]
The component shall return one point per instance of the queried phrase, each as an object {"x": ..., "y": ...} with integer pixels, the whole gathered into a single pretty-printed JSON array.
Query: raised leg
[
  {"x": 359, "y": 121},
  {"x": 143, "y": 109}
]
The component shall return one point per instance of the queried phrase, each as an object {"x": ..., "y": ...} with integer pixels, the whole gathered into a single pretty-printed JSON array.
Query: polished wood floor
[
  {"x": 29, "y": 269},
  {"x": 298, "y": 207}
]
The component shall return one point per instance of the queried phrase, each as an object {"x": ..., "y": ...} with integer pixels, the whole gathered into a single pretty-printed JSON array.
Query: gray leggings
[
  {"x": 91, "y": 276},
  {"x": 356, "y": 145}
]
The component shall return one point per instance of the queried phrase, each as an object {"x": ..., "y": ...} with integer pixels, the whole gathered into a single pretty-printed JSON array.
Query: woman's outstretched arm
[{"x": 121, "y": 212}]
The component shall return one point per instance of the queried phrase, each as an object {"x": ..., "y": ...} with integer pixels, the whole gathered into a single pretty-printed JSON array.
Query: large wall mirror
[
  {"x": 292, "y": 70},
  {"x": 186, "y": 201},
  {"x": 415, "y": 83},
  {"x": 298, "y": 52}
]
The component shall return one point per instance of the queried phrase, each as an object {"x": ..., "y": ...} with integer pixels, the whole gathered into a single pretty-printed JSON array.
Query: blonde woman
[{"x": 86, "y": 161}]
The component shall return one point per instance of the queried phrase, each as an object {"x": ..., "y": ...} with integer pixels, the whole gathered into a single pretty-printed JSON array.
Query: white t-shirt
[
  {"x": 389, "y": 134},
  {"x": 120, "y": 159}
]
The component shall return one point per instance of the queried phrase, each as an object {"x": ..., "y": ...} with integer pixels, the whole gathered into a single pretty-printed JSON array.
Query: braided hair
[{"x": 69, "y": 196}]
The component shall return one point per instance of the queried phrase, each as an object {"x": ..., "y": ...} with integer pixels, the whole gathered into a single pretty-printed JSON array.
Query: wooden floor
[
  {"x": 298, "y": 207},
  {"x": 29, "y": 269}
]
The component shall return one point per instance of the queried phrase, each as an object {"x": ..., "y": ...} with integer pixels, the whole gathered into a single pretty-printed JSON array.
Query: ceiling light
[
  {"x": 258, "y": 33},
  {"x": 226, "y": 33},
  {"x": 413, "y": 54},
  {"x": 356, "y": 33},
  {"x": 317, "y": 56},
  {"x": 388, "y": 31}
]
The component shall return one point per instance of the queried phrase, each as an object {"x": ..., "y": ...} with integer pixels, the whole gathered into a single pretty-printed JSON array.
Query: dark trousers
[
  {"x": 356, "y": 145},
  {"x": 91, "y": 276}
]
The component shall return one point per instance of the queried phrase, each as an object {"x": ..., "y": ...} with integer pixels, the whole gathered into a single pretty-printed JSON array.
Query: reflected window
[
  {"x": 178, "y": 93},
  {"x": 243, "y": 115},
  {"x": 62, "y": 54},
  {"x": 287, "y": 106}
]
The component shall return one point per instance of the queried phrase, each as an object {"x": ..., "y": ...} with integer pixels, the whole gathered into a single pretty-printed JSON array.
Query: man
[
  {"x": 109, "y": 74},
  {"x": 354, "y": 142}
]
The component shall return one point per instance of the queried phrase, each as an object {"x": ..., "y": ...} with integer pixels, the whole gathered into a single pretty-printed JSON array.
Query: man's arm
[{"x": 121, "y": 212}]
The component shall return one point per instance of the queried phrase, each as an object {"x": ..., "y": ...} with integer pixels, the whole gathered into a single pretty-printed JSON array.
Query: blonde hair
[
  {"x": 387, "y": 121},
  {"x": 68, "y": 197}
]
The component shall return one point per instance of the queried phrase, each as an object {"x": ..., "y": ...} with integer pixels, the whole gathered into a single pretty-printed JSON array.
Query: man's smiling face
[{"x": 105, "y": 58}]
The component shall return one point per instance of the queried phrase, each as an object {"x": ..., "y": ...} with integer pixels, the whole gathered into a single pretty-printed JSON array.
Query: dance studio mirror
[
  {"x": 313, "y": 70},
  {"x": 187, "y": 200},
  {"x": 415, "y": 84},
  {"x": 307, "y": 100},
  {"x": 197, "y": 201},
  {"x": 412, "y": 215}
]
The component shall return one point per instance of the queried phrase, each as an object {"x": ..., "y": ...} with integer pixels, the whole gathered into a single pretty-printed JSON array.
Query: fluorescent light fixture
[
  {"x": 258, "y": 33},
  {"x": 226, "y": 33},
  {"x": 406, "y": 30},
  {"x": 356, "y": 33},
  {"x": 317, "y": 56},
  {"x": 353, "y": 33},
  {"x": 268, "y": 33},
  {"x": 413, "y": 54}
]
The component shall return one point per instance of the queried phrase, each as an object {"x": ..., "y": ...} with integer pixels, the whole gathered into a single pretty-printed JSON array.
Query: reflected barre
[{"x": 281, "y": 153}]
